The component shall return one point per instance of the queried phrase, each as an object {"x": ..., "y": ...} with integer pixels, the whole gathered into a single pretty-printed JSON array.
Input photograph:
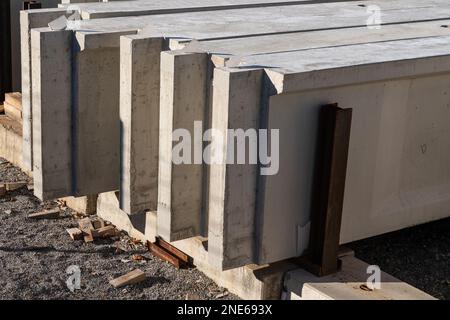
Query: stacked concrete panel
[
  {"x": 112, "y": 101},
  {"x": 88, "y": 10}
]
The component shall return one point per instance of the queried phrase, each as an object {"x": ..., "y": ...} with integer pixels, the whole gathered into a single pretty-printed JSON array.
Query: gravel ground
[
  {"x": 419, "y": 256},
  {"x": 34, "y": 256}
]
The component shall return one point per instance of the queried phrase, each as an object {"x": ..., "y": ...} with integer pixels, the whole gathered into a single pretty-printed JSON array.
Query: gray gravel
[
  {"x": 419, "y": 256},
  {"x": 34, "y": 256}
]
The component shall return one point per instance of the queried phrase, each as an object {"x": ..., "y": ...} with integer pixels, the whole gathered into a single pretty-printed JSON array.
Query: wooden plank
[
  {"x": 177, "y": 253},
  {"x": 11, "y": 186},
  {"x": 14, "y": 99},
  {"x": 326, "y": 215},
  {"x": 75, "y": 233},
  {"x": 163, "y": 254},
  {"x": 46, "y": 214},
  {"x": 132, "y": 277}
]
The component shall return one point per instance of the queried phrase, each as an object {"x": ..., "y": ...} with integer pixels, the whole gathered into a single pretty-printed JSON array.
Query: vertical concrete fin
[
  {"x": 30, "y": 20},
  {"x": 183, "y": 103},
  {"x": 139, "y": 118},
  {"x": 51, "y": 86},
  {"x": 232, "y": 193}
]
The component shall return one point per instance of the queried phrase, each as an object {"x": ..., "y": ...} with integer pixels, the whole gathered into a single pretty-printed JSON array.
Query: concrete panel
[
  {"x": 183, "y": 97},
  {"x": 304, "y": 40},
  {"x": 232, "y": 191},
  {"x": 386, "y": 92},
  {"x": 193, "y": 24},
  {"x": 16, "y": 7},
  {"x": 139, "y": 117},
  {"x": 178, "y": 95},
  {"x": 346, "y": 285},
  {"x": 29, "y": 20},
  {"x": 146, "y": 7},
  {"x": 51, "y": 59}
]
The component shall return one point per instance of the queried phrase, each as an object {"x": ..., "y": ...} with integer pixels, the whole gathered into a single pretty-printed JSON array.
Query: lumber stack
[{"x": 105, "y": 103}]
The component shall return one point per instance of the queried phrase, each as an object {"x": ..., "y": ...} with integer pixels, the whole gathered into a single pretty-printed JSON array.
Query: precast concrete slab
[
  {"x": 396, "y": 176},
  {"x": 141, "y": 172},
  {"x": 183, "y": 187},
  {"x": 93, "y": 9}
]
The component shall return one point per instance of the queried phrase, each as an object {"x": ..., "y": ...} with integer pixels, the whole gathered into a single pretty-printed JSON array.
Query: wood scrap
[
  {"x": 132, "y": 277},
  {"x": 75, "y": 233},
  {"x": 2, "y": 109},
  {"x": 2, "y": 190},
  {"x": 46, "y": 214},
  {"x": 98, "y": 222},
  {"x": 86, "y": 227},
  {"x": 11, "y": 186},
  {"x": 104, "y": 232},
  {"x": 12, "y": 112},
  {"x": 14, "y": 99}
]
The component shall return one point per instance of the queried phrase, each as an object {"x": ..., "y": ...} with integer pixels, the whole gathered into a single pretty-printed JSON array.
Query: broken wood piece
[
  {"x": 98, "y": 222},
  {"x": 14, "y": 99},
  {"x": 132, "y": 277},
  {"x": 12, "y": 112},
  {"x": 174, "y": 251},
  {"x": 46, "y": 214},
  {"x": 2, "y": 190},
  {"x": 11, "y": 186},
  {"x": 75, "y": 233},
  {"x": 86, "y": 227},
  {"x": 104, "y": 232},
  {"x": 163, "y": 254}
]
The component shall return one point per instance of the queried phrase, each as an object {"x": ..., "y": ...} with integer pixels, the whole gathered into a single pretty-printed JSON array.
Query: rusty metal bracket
[{"x": 328, "y": 190}]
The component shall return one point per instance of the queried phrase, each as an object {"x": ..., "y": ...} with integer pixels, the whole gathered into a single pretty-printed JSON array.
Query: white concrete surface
[
  {"x": 28, "y": 20},
  {"x": 195, "y": 24},
  {"x": 139, "y": 75},
  {"x": 350, "y": 283},
  {"x": 180, "y": 109},
  {"x": 387, "y": 93},
  {"x": 180, "y": 185},
  {"x": 51, "y": 59}
]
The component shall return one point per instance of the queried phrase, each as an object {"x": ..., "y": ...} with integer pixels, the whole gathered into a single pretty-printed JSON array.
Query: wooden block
[
  {"x": 12, "y": 112},
  {"x": 46, "y": 214},
  {"x": 75, "y": 233},
  {"x": 14, "y": 99},
  {"x": 104, "y": 232},
  {"x": 2, "y": 190},
  {"x": 86, "y": 227},
  {"x": 11, "y": 186},
  {"x": 98, "y": 223},
  {"x": 132, "y": 277}
]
